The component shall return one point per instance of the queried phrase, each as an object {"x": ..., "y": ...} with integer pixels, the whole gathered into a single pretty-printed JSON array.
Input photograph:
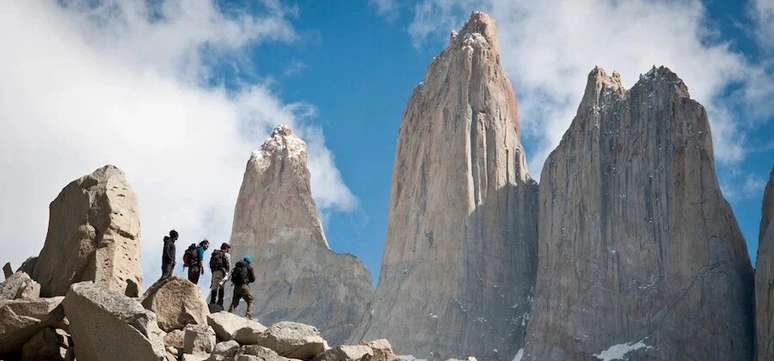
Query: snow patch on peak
[
  {"x": 281, "y": 142},
  {"x": 619, "y": 351},
  {"x": 519, "y": 355}
]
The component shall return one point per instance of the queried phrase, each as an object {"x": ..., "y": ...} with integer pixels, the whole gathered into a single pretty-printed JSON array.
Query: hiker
[
  {"x": 241, "y": 277},
  {"x": 194, "y": 258},
  {"x": 220, "y": 265},
  {"x": 168, "y": 255}
]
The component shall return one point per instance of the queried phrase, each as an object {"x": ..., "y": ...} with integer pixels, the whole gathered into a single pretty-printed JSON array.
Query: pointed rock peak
[
  {"x": 599, "y": 83},
  {"x": 663, "y": 76},
  {"x": 480, "y": 27},
  {"x": 282, "y": 141}
]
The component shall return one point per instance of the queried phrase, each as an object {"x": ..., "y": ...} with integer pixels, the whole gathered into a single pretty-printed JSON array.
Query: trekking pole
[{"x": 225, "y": 278}]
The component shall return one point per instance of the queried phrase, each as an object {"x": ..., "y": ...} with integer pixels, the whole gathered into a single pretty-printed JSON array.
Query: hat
[{"x": 248, "y": 259}]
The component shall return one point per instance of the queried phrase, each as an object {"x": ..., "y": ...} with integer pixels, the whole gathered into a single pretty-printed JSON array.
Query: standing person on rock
[
  {"x": 168, "y": 255},
  {"x": 220, "y": 264},
  {"x": 242, "y": 276},
  {"x": 194, "y": 260}
]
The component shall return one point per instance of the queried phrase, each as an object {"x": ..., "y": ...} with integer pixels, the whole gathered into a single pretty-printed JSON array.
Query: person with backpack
[
  {"x": 242, "y": 276},
  {"x": 220, "y": 265},
  {"x": 168, "y": 255},
  {"x": 193, "y": 258}
]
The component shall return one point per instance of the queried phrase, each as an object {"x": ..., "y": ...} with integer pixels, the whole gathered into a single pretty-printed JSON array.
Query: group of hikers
[{"x": 220, "y": 267}]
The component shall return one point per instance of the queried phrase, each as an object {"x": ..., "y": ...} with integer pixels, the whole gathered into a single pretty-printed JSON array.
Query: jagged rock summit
[
  {"x": 459, "y": 264},
  {"x": 764, "y": 277},
  {"x": 640, "y": 255},
  {"x": 276, "y": 222},
  {"x": 93, "y": 235}
]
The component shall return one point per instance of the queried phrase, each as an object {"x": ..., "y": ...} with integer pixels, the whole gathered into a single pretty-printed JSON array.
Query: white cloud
[
  {"x": 549, "y": 47},
  {"x": 121, "y": 84},
  {"x": 386, "y": 8},
  {"x": 763, "y": 13}
]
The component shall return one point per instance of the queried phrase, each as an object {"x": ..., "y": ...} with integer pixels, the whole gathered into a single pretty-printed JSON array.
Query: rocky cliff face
[
  {"x": 764, "y": 277},
  {"x": 276, "y": 222},
  {"x": 459, "y": 264},
  {"x": 93, "y": 235},
  {"x": 640, "y": 255}
]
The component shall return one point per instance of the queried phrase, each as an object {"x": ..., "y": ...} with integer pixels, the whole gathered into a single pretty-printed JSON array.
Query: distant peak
[
  {"x": 479, "y": 24},
  {"x": 282, "y": 130},
  {"x": 281, "y": 141},
  {"x": 663, "y": 74}
]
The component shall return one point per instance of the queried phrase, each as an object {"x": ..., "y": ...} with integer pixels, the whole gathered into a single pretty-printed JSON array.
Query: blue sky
[{"x": 178, "y": 92}]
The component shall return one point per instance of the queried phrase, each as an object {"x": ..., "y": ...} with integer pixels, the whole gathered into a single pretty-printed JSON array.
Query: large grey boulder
[
  {"x": 50, "y": 344},
  {"x": 276, "y": 222},
  {"x": 640, "y": 255},
  {"x": 93, "y": 235},
  {"x": 19, "y": 285},
  {"x": 198, "y": 339},
  {"x": 460, "y": 259},
  {"x": 258, "y": 353},
  {"x": 107, "y": 325},
  {"x": 293, "y": 340},
  {"x": 176, "y": 302},
  {"x": 346, "y": 353},
  {"x": 229, "y": 326},
  {"x": 21, "y": 319},
  {"x": 764, "y": 277}
]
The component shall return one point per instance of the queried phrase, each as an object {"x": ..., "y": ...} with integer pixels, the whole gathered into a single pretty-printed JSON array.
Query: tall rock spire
[
  {"x": 276, "y": 222},
  {"x": 459, "y": 264},
  {"x": 764, "y": 277},
  {"x": 640, "y": 254}
]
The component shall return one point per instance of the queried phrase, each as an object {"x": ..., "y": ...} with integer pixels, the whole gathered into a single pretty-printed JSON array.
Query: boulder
[
  {"x": 346, "y": 353},
  {"x": 226, "y": 349},
  {"x": 195, "y": 357},
  {"x": 19, "y": 285},
  {"x": 50, "y": 344},
  {"x": 175, "y": 339},
  {"x": 293, "y": 340},
  {"x": 258, "y": 353},
  {"x": 28, "y": 266},
  {"x": 21, "y": 319},
  {"x": 93, "y": 235},
  {"x": 382, "y": 350},
  {"x": 198, "y": 339},
  {"x": 107, "y": 325},
  {"x": 7, "y": 270},
  {"x": 176, "y": 302},
  {"x": 229, "y": 326}
]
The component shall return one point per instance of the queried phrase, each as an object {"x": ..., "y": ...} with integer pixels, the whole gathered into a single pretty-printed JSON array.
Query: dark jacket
[
  {"x": 250, "y": 273},
  {"x": 168, "y": 254}
]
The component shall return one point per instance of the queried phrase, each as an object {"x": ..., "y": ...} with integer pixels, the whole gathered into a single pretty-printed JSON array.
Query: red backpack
[{"x": 190, "y": 255}]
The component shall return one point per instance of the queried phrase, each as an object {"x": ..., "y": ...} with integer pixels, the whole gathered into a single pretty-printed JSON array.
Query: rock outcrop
[
  {"x": 107, "y": 325},
  {"x": 276, "y": 222},
  {"x": 93, "y": 235},
  {"x": 764, "y": 277},
  {"x": 229, "y": 326},
  {"x": 19, "y": 285},
  {"x": 640, "y": 255},
  {"x": 460, "y": 260},
  {"x": 21, "y": 319},
  {"x": 50, "y": 344},
  {"x": 293, "y": 340},
  {"x": 176, "y": 303}
]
